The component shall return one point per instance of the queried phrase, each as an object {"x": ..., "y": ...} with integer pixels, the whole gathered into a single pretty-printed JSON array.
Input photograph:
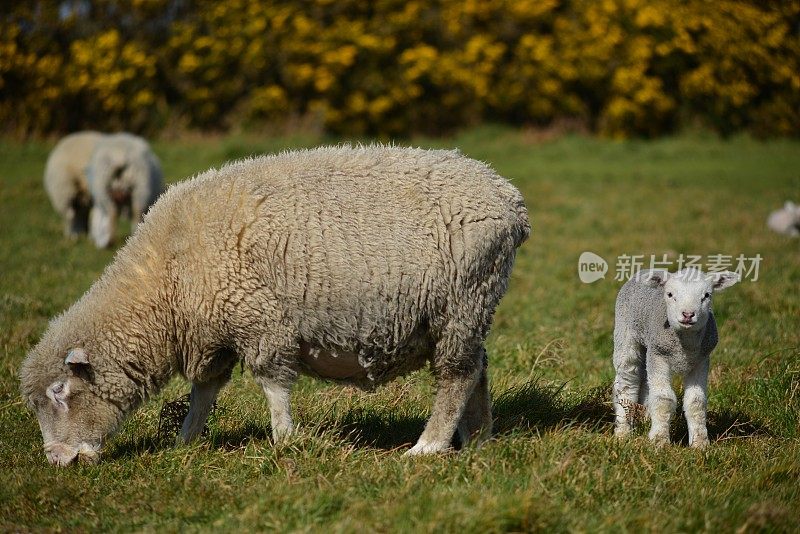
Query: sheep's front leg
[
  {"x": 278, "y": 396},
  {"x": 201, "y": 400},
  {"x": 627, "y": 382},
  {"x": 661, "y": 401},
  {"x": 139, "y": 205},
  {"x": 102, "y": 222},
  {"x": 695, "y": 403}
]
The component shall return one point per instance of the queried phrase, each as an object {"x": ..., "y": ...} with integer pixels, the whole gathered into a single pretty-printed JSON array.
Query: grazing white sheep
[
  {"x": 355, "y": 265},
  {"x": 786, "y": 220},
  {"x": 664, "y": 325},
  {"x": 65, "y": 180},
  {"x": 124, "y": 176}
]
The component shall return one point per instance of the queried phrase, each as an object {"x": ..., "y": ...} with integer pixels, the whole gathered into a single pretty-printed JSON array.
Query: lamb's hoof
[
  {"x": 699, "y": 443},
  {"x": 425, "y": 448},
  {"x": 622, "y": 431},
  {"x": 660, "y": 439}
]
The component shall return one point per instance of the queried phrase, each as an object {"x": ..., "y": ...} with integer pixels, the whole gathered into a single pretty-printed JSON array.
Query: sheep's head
[
  {"x": 72, "y": 418},
  {"x": 688, "y": 294}
]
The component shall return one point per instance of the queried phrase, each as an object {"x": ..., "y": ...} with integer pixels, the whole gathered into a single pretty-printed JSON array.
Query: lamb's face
[
  {"x": 688, "y": 293},
  {"x": 73, "y": 420}
]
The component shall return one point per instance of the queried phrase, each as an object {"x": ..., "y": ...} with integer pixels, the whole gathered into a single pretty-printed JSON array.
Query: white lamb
[
  {"x": 664, "y": 325},
  {"x": 355, "y": 265}
]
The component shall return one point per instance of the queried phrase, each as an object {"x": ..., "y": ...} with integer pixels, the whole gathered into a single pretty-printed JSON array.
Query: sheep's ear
[
  {"x": 58, "y": 393},
  {"x": 723, "y": 279},
  {"x": 78, "y": 362},
  {"x": 653, "y": 277},
  {"x": 77, "y": 356},
  {"x": 789, "y": 205}
]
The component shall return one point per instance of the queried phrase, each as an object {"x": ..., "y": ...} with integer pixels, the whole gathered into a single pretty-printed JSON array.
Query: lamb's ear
[
  {"x": 77, "y": 356},
  {"x": 58, "y": 393},
  {"x": 653, "y": 277},
  {"x": 723, "y": 279}
]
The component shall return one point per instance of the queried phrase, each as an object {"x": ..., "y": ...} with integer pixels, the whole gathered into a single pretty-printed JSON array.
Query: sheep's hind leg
[
  {"x": 457, "y": 365},
  {"x": 476, "y": 423},
  {"x": 278, "y": 394},
  {"x": 274, "y": 366},
  {"x": 201, "y": 400}
]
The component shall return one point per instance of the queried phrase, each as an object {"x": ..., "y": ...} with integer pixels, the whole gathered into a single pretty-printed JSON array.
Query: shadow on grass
[
  {"x": 537, "y": 407},
  {"x": 722, "y": 426},
  {"x": 532, "y": 408},
  {"x": 370, "y": 429}
]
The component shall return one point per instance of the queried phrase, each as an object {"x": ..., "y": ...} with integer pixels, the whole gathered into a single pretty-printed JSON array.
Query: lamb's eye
[
  {"x": 707, "y": 295},
  {"x": 669, "y": 295}
]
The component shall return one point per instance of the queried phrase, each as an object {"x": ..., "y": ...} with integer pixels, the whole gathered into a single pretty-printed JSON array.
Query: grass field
[{"x": 553, "y": 463}]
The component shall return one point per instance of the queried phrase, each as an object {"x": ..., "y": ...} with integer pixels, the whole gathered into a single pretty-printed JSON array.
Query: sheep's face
[
  {"x": 688, "y": 294},
  {"x": 73, "y": 420}
]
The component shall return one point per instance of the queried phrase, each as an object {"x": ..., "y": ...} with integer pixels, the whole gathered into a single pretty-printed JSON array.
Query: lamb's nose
[{"x": 687, "y": 315}]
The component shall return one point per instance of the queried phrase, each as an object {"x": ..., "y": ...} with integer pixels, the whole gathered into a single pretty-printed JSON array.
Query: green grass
[{"x": 553, "y": 463}]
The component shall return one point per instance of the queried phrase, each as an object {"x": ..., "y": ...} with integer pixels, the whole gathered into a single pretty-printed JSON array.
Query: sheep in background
[
  {"x": 664, "y": 325},
  {"x": 786, "y": 220},
  {"x": 91, "y": 178},
  {"x": 356, "y": 265},
  {"x": 124, "y": 177},
  {"x": 65, "y": 180}
]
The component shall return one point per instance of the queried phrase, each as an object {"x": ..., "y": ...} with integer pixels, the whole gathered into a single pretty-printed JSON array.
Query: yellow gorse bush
[{"x": 623, "y": 67}]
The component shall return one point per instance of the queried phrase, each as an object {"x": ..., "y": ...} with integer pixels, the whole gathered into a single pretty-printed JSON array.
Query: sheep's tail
[{"x": 522, "y": 228}]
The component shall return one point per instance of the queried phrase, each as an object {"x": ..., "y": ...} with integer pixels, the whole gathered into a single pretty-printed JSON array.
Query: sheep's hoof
[
  {"x": 425, "y": 448},
  {"x": 622, "y": 431},
  {"x": 699, "y": 443}
]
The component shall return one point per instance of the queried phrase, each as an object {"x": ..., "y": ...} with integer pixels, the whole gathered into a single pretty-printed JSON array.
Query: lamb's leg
[
  {"x": 644, "y": 388},
  {"x": 627, "y": 364},
  {"x": 661, "y": 401},
  {"x": 695, "y": 403},
  {"x": 476, "y": 423},
  {"x": 278, "y": 394},
  {"x": 201, "y": 400},
  {"x": 457, "y": 365}
]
